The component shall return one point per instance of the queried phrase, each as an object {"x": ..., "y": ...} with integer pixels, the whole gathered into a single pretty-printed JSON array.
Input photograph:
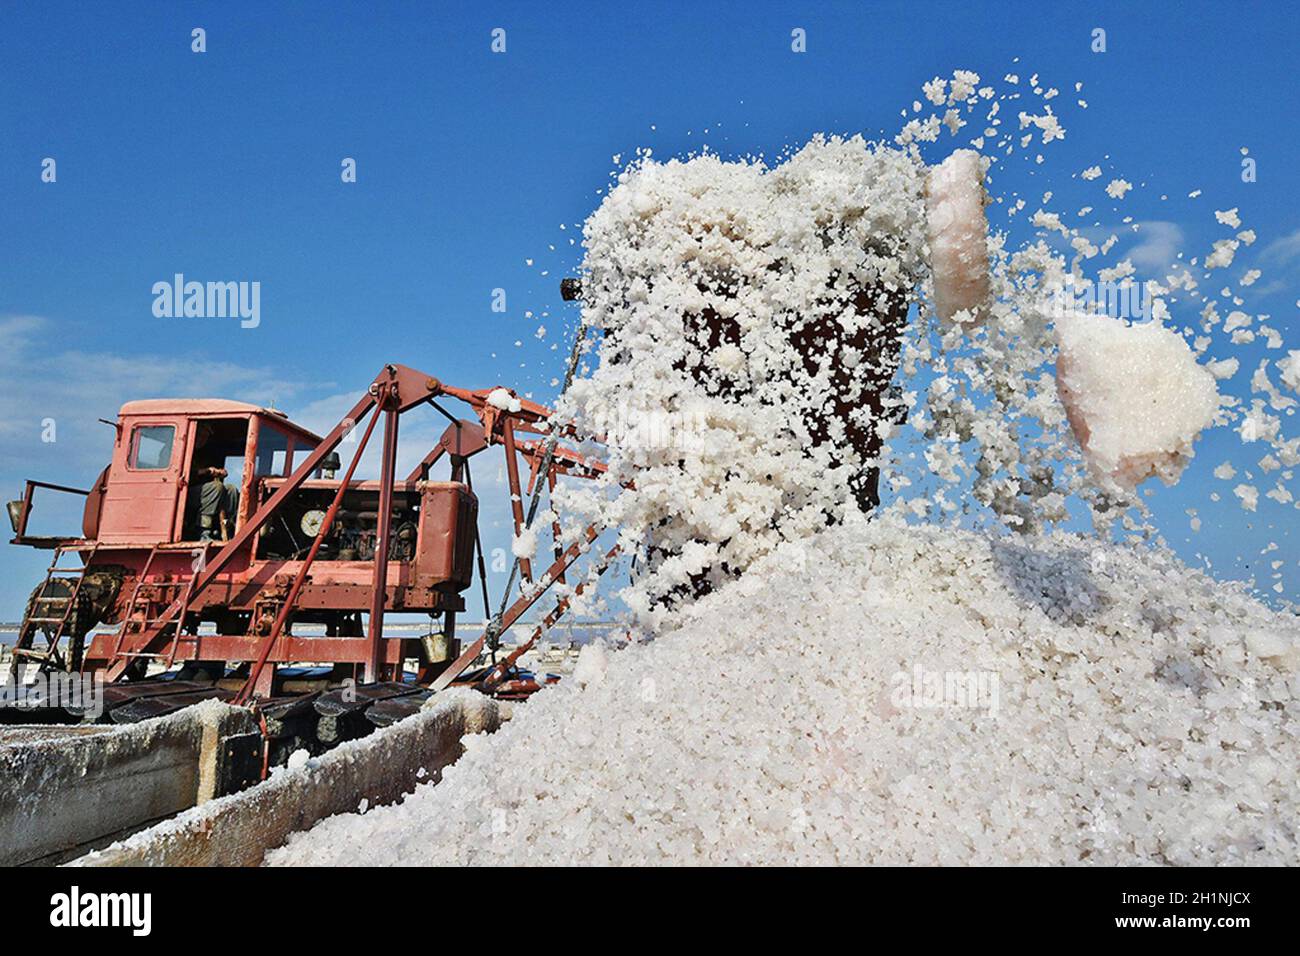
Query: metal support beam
[
  {"x": 515, "y": 610},
  {"x": 383, "y": 535},
  {"x": 499, "y": 672},
  {"x": 516, "y": 492}
]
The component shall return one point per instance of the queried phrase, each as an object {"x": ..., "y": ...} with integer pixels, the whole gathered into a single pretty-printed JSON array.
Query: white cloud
[
  {"x": 1282, "y": 253},
  {"x": 1158, "y": 246},
  {"x": 1280, "y": 261},
  {"x": 41, "y": 380},
  {"x": 1153, "y": 246}
]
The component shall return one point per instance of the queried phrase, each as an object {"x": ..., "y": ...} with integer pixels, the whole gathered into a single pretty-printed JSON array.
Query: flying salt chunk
[
  {"x": 1228, "y": 217},
  {"x": 1236, "y": 320},
  {"x": 964, "y": 83},
  {"x": 1290, "y": 369},
  {"x": 1221, "y": 257},
  {"x": 1281, "y": 494},
  {"x": 1116, "y": 188},
  {"x": 1134, "y": 395},
  {"x": 1092, "y": 172},
  {"x": 1257, "y": 424},
  {"x": 1248, "y": 494},
  {"x": 1251, "y": 277},
  {"x": 502, "y": 399},
  {"x": 1261, "y": 384},
  {"x": 1079, "y": 243},
  {"x": 1049, "y": 220},
  {"x": 924, "y": 131},
  {"x": 958, "y": 235},
  {"x": 934, "y": 90},
  {"x": 1120, "y": 270},
  {"x": 1048, "y": 123},
  {"x": 1225, "y": 471},
  {"x": 524, "y": 545}
]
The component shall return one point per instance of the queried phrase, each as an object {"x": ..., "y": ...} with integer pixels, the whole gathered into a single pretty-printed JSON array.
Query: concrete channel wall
[
  {"x": 239, "y": 829},
  {"x": 64, "y": 789}
]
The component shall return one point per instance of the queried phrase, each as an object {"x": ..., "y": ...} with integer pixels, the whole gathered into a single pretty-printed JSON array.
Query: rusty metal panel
[{"x": 445, "y": 551}]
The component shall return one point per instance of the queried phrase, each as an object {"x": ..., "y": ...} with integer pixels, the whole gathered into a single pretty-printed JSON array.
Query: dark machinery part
[
  {"x": 571, "y": 289},
  {"x": 352, "y": 536}
]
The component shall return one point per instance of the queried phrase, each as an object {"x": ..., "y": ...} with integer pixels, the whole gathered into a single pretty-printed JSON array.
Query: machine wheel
[{"x": 80, "y": 621}]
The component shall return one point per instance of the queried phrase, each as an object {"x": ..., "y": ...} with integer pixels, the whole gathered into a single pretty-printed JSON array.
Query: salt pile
[{"x": 893, "y": 695}]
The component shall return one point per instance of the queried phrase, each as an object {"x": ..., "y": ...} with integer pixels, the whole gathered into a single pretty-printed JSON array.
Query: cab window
[
  {"x": 151, "y": 447},
  {"x": 272, "y": 451},
  {"x": 298, "y": 453}
]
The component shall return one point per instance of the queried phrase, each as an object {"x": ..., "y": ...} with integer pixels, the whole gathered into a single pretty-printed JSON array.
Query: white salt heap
[
  {"x": 894, "y": 695},
  {"x": 1135, "y": 397}
]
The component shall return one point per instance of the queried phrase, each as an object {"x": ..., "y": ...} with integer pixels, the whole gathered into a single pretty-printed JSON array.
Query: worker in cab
[{"x": 215, "y": 501}]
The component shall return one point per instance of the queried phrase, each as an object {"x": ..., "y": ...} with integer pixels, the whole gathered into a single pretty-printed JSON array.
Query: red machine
[{"x": 301, "y": 548}]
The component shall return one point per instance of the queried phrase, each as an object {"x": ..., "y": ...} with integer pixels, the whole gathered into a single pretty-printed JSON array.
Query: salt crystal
[
  {"x": 1136, "y": 398},
  {"x": 502, "y": 399},
  {"x": 958, "y": 236}
]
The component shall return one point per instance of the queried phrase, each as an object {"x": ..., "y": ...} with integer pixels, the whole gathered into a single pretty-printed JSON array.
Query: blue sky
[{"x": 225, "y": 166}]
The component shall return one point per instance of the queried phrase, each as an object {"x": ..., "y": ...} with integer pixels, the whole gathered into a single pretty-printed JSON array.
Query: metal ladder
[
  {"x": 185, "y": 606},
  {"x": 133, "y": 624},
  {"x": 136, "y": 619},
  {"x": 45, "y": 613}
]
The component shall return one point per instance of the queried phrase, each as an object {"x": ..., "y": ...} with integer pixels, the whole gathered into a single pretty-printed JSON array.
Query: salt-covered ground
[{"x": 888, "y": 694}]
